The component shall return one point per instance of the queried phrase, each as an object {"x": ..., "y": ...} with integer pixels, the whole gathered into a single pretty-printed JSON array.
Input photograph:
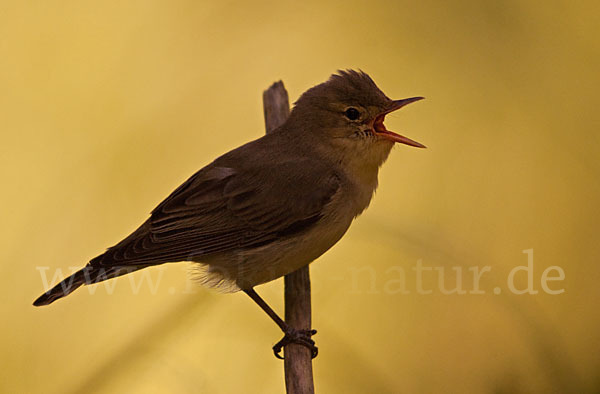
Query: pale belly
[{"x": 248, "y": 268}]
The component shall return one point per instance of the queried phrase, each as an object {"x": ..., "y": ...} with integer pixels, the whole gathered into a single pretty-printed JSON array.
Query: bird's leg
[{"x": 291, "y": 335}]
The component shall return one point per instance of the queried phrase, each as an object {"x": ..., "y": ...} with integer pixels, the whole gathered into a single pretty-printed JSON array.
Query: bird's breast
[{"x": 359, "y": 190}]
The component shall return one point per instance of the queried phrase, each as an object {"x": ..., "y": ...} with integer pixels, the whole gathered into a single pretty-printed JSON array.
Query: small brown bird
[{"x": 271, "y": 206}]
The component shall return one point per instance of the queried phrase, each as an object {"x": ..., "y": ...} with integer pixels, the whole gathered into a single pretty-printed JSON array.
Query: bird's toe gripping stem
[{"x": 301, "y": 337}]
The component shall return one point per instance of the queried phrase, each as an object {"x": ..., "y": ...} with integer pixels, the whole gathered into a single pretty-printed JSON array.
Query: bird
[{"x": 270, "y": 206}]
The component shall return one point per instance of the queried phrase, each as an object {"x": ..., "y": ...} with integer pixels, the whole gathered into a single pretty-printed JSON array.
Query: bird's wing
[{"x": 221, "y": 209}]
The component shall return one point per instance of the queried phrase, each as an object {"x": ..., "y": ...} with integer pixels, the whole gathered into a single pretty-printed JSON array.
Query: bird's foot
[{"x": 301, "y": 337}]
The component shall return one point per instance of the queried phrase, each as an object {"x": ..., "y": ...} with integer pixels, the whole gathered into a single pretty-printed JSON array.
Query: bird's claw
[{"x": 301, "y": 337}]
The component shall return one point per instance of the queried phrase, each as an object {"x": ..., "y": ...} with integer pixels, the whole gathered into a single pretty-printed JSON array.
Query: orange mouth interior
[{"x": 378, "y": 125}]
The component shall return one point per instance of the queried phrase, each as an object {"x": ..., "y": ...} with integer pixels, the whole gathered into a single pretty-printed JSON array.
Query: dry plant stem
[{"x": 298, "y": 358}]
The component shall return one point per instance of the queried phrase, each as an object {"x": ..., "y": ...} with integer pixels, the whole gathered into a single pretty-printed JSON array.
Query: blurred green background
[{"x": 105, "y": 107}]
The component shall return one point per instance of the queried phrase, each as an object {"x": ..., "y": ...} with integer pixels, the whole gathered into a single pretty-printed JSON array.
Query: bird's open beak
[{"x": 379, "y": 127}]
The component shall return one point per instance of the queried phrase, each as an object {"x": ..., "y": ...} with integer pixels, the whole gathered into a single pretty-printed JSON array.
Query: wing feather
[{"x": 222, "y": 209}]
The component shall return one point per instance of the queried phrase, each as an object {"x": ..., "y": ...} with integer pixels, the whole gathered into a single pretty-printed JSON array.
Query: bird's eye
[{"x": 352, "y": 113}]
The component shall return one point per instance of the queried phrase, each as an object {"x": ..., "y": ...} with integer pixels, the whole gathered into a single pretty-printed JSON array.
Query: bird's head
[{"x": 348, "y": 111}]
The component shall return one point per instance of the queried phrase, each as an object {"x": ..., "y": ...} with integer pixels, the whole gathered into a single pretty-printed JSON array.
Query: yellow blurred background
[{"x": 106, "y": 107}]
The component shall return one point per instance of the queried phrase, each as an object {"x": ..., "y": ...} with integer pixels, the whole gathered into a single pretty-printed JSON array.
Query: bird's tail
[
  {"x": 67, "y": 286},
  {"x": 84, "y": 276}
]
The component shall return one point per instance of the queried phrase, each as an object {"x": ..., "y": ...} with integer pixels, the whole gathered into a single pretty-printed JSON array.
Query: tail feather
[
  {"x": 85, "y": 276},
  {"x": 67, "y": 286}
]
